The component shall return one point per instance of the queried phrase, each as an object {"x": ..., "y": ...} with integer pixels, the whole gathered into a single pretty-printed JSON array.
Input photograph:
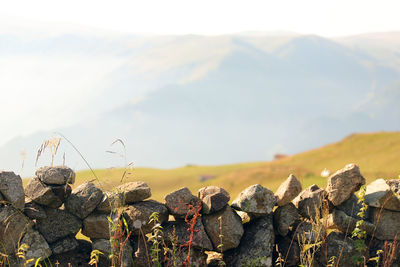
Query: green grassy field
[{"x": 377, "y": 154}]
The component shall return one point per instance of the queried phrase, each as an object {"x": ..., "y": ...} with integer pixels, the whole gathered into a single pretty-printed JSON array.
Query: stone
[
  {"x": 126, "y": 256},
  {"x": 138, "y": 215},
  {"x": 200, "y": 238},
  {"x": 255, "y": 200},
  {"x": 181, "y": 203},
  {"x": 390, "y": 248},
  {"x": 197, "y": 258},
  {"x": 309, "y": 201},
  {"x": 214, "y": 198},
  {"x": 215, "y": 259},
  {"x": 96, "y": 226},
  {"x": 309, "y": 232},
  {"x": 37, "y": 247},
  {"x": 230, "y": 226},
  {"x": 245, "y": 216},
  {"x": 64, "y": 245},
  {"x": 387, "y": 223},
  {"x": 78, "y": 257},
  {"x": 134, "y": 191},
  {"x": 84, "y": 199},
  {"x": 102, "y": 245},
  {"x": 11, "y": 189},
  {"x": 140, "y": 249},
  {"x": 58, "y": 224},
  {"x": 288, "y": 190},
  {"x": 284, "y": 218},
  {"x": 256, "y": 246},
  {"x": 394, "y": 185},
  {"x": 13, "y": 224},
  {"x": 289, "y": 251},
  {"x": 108, "y": 202},
  {"x": 351, "y": 207},
  {"x": 343, "y": 183},
  {"x": 379, "y": 194},
  {"x": 339, "y": 220},
  {"x": 51, "y": 196},
  {"x": 34, "y": 210},
  {"x": 58, "y": 175}
]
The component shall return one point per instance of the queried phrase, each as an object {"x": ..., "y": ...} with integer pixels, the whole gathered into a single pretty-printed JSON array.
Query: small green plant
[
  {"x": 156, "y": 238},
  {"x": 359, "y": 232}
]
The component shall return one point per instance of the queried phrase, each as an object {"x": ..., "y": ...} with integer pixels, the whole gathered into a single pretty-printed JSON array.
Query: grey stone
[
  {"x": 13, "y": 224},
  {"x": 256, "y": 246},
  {"x": 284, "y": 218},
  {"x": 229, "y": 225},
  {"x": 58, "y": 224},
  {"x": 96, "y": 226},
  {"x": 84, "y": 199},
  {"x": 197, "y": 258},
  {"x": 215, "y": 259},
  {"x": 289, "y": 251},
  {"x": 126, "y": 256},
  {"x": 140, "y": 251},
  {"x": 181, "y": 203},
  {"x": 11, "y": 189},
  {"x": 255, "y": 200},
  {"x": 51, "y": 196},
  {"x": 200, "y": 238},
  {"x": 214, "y": 198},
  {"x": 37, "y": 247},
  {"x": 351, "y": 207},
  {"x": 341, "y": 221},
  {"x": 34, "y": 210},
  {"x": 379, "y": 194},
  {"x": 134, "y": 191},
  {"x": 102, "y": 245},
  {"x": 138, "y": 215},
  {"x": 109, "y": 201},
  {"x": 245, "y": 216},
  {"x": 288, "y": 190},
  {"x": 58, "y": 175},
  {"x": 387, "y": 223},
  {"x": 309, "y": 232},
  {"x": 64, "y": 245},
  {"x": 309, "y": 201},
  {"x": 343, "y": 183}
]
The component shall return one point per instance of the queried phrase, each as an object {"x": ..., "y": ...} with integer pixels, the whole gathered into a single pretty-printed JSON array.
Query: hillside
[{"x": 377, "y": 155}]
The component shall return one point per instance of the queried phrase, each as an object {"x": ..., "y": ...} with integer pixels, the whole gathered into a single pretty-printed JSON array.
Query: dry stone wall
[{"x": 259, "y": 228}]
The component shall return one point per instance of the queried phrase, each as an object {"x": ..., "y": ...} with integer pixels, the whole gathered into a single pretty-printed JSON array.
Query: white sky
[{"x": 322, "y": 17}]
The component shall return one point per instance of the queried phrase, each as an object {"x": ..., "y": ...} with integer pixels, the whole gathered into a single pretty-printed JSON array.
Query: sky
[{"x": 33, "y": 90}]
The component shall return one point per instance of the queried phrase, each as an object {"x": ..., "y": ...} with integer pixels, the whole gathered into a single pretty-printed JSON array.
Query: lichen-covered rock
[
  {"x": 34, "y": 210},
  {"x": 289, "y": 251},
  {"x": 12, "y": 226},
  {"x": 351, "y": 207},
  {"x": 58, "y": 175},
  {"x": 379, "y": 194},
  {"x": 64, "y": 245},
  {"x": 256, "y": 246},
  {"x": 387, "y": 223},
  {"x": 84, "y": 199},
  {"x": 255, "y": 200},
  {"x": 134, "y": 191},
  {"x": 11, "y": 189},
  {"x": 214, "y": 198},
  {"x": 197, "y": 258},
  {"x": 309, "y": 232},
  {"x": 288, "y": 190},
  {"x": 96, "y": 226},
  {"x": 229, "y": 225},
  {"x": 339, "y": 220},
  {"x": 284, "y": 218},
  {"x": 343, "y": 183},
  {"x": 37, "y": 247},
  {"x": 51, "y": 196},
  {"x": 137, "y": 215},
  {"x": 58, "y": 224},
  {"x": 309, "y": 201},
  {"x": 182, "y": 234},
  {"x": 181, "y": 203}
]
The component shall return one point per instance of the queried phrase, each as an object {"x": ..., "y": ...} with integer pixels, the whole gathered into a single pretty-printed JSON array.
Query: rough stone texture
[
  {"x": 197, "y": 258},
  {"x": 96, "y": 226},
  {"x": 12, "y": 226},
  {"x": 64, "y": 245},
  {"x": 391, "y": 250},
  {"x": 11, "y": 189},
  {"x": 51, "y": 196},
  {"x": 134, "y": 191},
  {"x": 79, "y": 257},
  {"x": 214, "y": 198},
  {"x": 102, "y": 245},
  {"x": 394, "y": 185},
  {"x": 34, "y": 210},
  {"x": 284, "y": 218},
  {"x": 343, "y": 183},
  {"x": 387, "y": 223},
  {"x": 84, "y": 199},
  {"x": 309, "y": 231},
  {"x": 200, "y": 237},
  {"x": 255, "y": 200},
  {"x": 58, "y": 175},
  {"x": 288, "y": 190},
  {"x": 58, "y": 224},
  {"x": 351, "y": 207},
  {"x": 215, "y": 259},
  {"x": 137, "y": 215},
  {"x": 256, "y": 246},
  {"x": 245, "y": 216},
  {"x": 380, "y": 195},
  {"x": 110, "y": 200},
  {"x": 289, "y": 251},
  {"x": 139, "y": 252},
  {"x": 181, "y": 203},
  {"x": 231, "y": 226},
  {"x": 127, "y": 258},
  {"x": 37, "y": 246},
  {"x": 309, "y": 201},
  {"x": 339, "y": 220}
]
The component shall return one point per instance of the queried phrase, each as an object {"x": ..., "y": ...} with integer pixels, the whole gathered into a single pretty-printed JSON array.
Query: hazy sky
[{"x": 41, "y": 92}]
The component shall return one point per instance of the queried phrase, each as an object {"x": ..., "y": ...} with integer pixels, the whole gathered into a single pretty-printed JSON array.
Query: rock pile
[{"x": 258, "y": 229}]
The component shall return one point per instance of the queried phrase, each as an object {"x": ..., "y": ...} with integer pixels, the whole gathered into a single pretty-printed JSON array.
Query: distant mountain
[{"x": 226, "y": 99}]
